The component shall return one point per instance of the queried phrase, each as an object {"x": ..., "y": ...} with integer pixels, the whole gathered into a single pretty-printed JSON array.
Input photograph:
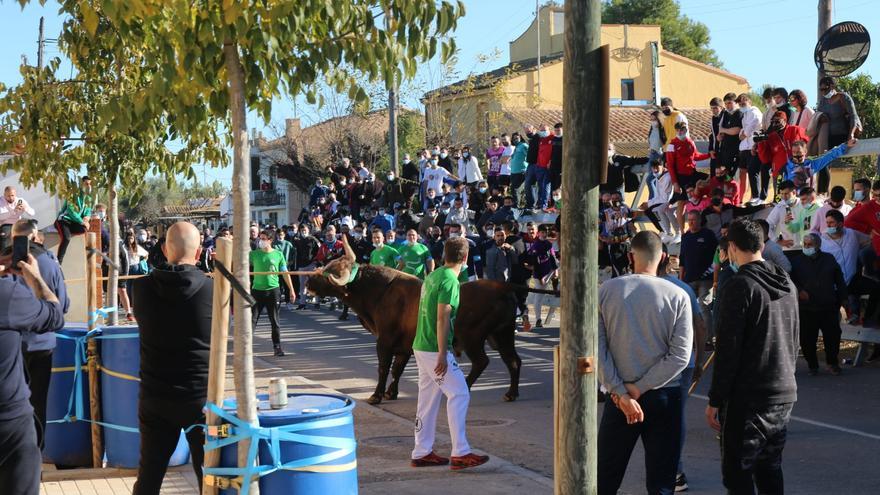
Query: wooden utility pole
[
  {"x": 92, "y": 250},
  {"x": 538, "y": 26},
  {"x": 393, "y": 146},
  {"x": 41, "y": 42},
  {"x": 825, "y": 16},
  {"x": 219, "y": 338},
  {"x": 584, "y": 155}
]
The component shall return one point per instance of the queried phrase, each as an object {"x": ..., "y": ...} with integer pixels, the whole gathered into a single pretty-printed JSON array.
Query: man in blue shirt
[
  {"x": 37, "y": 348},
  {"x": 800, "y": 169},
  {"x": 26, "y": 305},
  {"x": 382, "y": 220},
  {"x": 697, "y": 252}
]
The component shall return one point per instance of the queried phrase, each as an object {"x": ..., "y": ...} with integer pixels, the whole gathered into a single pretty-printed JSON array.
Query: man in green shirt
[
  {"x": 266, "y": 288},
  {"x": 73, "y": 219},
  {"x": 289, "y": 251},
  {"x": 439, "y": 373},
  {"x": 415, "y": 257},
  {"x": 383, "y": 254}
]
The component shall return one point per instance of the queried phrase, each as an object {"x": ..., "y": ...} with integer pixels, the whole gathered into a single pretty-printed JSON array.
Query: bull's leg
[
  {"x": 397, "y": 368},
  {"x": 507, "y": 350},
  {"x": 479, "y": 361},
  {"x": 383, "y": 352}
]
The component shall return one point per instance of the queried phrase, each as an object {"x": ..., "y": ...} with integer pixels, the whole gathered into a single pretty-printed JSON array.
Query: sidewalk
[{"x": 384, "y": 444}]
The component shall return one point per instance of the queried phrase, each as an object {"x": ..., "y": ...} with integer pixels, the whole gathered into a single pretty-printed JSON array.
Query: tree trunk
[
  {"x": 113, "y": 275},
  {"x": 243, "y": 359},
  {"x": 585, "y": 116}
]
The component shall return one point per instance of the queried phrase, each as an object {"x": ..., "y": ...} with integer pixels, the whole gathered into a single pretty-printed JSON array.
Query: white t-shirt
[
  {"x": 435, "y": 177},
  {"x": 505, "y": 159}
]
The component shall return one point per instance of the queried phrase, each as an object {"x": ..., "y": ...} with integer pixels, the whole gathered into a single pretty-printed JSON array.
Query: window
[
  {"x": 255, "y": 173},
  {"x": 627, "y": 89},
  {"x": 558, "y": 22}
]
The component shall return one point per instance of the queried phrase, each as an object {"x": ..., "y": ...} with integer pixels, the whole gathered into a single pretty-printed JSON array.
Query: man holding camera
[
  {"x": 28, "y": 306},
  {"x": 11, "y": 210}
]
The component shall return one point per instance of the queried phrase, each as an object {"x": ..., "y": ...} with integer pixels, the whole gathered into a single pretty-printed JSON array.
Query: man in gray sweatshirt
[{"x": 645, "y": 342}]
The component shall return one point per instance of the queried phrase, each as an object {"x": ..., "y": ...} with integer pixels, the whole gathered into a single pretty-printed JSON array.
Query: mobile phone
[
  {"x": 18, "y": 202},
  {"x": 21, "y": 244}
]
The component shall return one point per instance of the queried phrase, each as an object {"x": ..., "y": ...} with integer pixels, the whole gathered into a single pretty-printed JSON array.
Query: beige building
[{"x": 640, "y": 73}]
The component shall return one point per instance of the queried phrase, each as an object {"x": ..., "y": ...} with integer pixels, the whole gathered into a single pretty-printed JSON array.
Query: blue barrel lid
[{"x": 299, "y": 406}]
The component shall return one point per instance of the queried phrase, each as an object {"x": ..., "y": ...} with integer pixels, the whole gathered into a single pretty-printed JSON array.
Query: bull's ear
[{"x": 339, "y": 279}]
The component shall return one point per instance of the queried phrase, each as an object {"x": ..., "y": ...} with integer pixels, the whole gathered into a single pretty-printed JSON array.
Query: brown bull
[{"x": 387, "y": 304}]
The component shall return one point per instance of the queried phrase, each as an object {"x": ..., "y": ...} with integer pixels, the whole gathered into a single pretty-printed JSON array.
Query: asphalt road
[{"x": 833, "y": 439}]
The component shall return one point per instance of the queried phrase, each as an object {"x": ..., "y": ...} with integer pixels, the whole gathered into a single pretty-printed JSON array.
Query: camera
[{"x": 760, "y": 136}]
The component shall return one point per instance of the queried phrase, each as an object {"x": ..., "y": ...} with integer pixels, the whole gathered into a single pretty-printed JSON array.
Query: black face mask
[
  {"x": 716, "y": 201},
  {"x": 667, "y": 111}
]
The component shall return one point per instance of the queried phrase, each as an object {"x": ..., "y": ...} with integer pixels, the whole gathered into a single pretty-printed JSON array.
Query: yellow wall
[{"x": 691, "y": 84}]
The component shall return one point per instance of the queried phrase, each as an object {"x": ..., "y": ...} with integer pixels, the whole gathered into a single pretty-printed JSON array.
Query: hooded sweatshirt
[
  {"x": 756, "y": 338},
  {"x": 173, "y": 309}
]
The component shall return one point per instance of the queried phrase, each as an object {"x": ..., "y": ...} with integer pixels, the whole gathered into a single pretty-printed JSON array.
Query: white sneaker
[
  {"x": 756, "y": 201},
  {"x": 665, "y": 238},
  {"x": 676, "y": 239}
]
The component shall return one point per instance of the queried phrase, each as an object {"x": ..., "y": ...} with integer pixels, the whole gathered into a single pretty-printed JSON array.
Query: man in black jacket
[
  {"x": 531, "y": 179},
  {"x": 306, "y": 252},
  {"x": 173, "y": 309},
  {"x": 620, "y": 175},
  {"x": 821, "y": 292},
  {"x": 753, "y": 385}
]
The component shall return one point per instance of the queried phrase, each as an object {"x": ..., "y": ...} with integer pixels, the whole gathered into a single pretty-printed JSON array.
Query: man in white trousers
[{"x": 439, "y": 373}]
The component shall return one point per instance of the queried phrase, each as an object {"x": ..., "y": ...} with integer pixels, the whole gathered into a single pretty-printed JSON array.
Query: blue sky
[{"x": 765, "y": 42}]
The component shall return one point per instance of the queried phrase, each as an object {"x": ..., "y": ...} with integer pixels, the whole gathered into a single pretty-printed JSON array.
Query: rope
[{"x": 273, "y": 437}]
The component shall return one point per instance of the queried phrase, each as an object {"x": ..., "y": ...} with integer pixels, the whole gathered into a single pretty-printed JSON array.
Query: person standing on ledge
[
  {"x": 439, "y": 373},
  {"x": 173, "y": 306}
]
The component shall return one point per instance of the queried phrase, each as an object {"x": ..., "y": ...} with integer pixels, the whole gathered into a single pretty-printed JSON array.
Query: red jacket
[
  {"x": 545, "y": 151},
  {"x": 682, "y": 158},
  {"x": 730, "y": 188},
  {"x": 777, "y": 150},
  {"x": 866, "y": 219},
  {"x": 327, "y": 253}
]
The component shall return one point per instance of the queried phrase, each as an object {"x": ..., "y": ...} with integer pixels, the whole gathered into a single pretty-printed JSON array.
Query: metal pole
[
  {"x": 825, "y": 15},
  {"x": 585, "y": 117},
  {"x": 41, "y": 41},
  {"x": 538, "y": 24}
]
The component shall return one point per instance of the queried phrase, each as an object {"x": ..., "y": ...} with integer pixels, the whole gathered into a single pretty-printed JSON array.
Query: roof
[
  {"x": 209, "y": 207},
  {"x": 488, "y": 79},
  {"x": 706, "y": 67},
  {"x": 627, "y": 126}
]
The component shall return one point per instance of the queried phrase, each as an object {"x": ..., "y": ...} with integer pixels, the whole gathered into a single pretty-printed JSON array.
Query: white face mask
[
  {"x": 490, "y": 233},
  {"x": 377, "y": 245},
  {"x": 390, "y": 177},
  {"x": 265, "y": 244},
  {"x": 830, "y": 93},
  {"x": 443, "y": 155},
  {"x": 556, "y": 197},
  {"x": 453, "y": 235},
  {"x": 682, "y": 135}
]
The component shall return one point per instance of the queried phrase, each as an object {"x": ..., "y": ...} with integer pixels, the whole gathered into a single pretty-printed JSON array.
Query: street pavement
[{"x": 832, "y": 443}]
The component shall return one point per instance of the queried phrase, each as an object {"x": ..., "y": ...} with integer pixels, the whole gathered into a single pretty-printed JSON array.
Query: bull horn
[{"x": 340, "y": 280}]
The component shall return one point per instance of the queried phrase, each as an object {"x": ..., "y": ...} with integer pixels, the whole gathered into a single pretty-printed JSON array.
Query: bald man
[
  {"x": 12, "y": 208},
  {"x": 173, "y": 310}
]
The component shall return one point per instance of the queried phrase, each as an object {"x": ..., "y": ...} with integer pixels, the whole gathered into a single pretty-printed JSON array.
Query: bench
[{"x": 863, "y": 336}]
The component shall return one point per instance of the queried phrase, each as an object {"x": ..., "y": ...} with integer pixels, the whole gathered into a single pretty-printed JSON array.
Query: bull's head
[{"x": 333, "y": 278}]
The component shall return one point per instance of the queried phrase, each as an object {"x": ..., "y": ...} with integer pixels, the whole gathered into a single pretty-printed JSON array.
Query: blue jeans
[
  {"x": 661, "y": 438},
  {"x": 686, "y": 376},
  {"x": 529, "y": 182},
  {"x": 543, "y": 177}
]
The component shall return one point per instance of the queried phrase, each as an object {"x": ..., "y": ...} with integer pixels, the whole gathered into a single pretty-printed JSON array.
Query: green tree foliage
[
  {"x": 681, "y": 34},
  {"x": 866, "y": 95}
]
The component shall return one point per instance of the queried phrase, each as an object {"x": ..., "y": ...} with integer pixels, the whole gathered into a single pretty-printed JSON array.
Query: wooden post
[
  {"x": 94, "y": 383},
  {"x": 584, "y": 154},
  {"x": 219, "y": 336}
]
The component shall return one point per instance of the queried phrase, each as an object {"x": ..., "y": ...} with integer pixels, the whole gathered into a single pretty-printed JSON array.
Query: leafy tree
[
  {"x": 866, "y": 95},
  {"x": 411, "y": 133},
  {"x": 681, "y": 34},
  {"x": 230, "y": 56}
]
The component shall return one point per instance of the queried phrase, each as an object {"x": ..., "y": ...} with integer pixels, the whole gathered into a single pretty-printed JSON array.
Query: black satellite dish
[{"x": 842, "y": 49}]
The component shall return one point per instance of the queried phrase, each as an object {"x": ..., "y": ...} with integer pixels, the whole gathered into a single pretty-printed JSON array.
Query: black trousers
[
  {"x": 38, "y": 368},
  {"x": 752, "y": 440},
  {"x": 66, "y": 230},
  {"x": 661, "y": 437},
  {"x": 759, "y": 177},
  {"x": 20, "y": 461},
  {"x": 516, "y": 180},
  {"x": 268, "y": 299},
  {"x": 160, "y": 422},
  {"x": 829, "y": 323}
]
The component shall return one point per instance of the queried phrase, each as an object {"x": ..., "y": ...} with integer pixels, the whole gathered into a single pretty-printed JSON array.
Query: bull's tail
[{"x": 520, "y": 289}]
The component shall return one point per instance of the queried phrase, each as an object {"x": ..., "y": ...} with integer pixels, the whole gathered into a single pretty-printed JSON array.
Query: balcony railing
[{"x": 268, "y": 198}]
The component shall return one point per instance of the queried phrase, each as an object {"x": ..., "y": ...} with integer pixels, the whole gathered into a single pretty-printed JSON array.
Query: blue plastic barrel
[
  {"x": 338, "y": 476},
  {"x": 67, "y": 443},
  {"x": 120, "y": 366}
]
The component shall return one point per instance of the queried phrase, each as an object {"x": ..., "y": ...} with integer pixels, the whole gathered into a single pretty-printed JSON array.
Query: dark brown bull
[{"x": 387, "y": 304}]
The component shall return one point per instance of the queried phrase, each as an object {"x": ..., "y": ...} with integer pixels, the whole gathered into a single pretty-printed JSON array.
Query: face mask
[
  {"x": 483, "y": 190},
  {"x": 357, "y": 235},
  {"x": 406, "y": 161},
  {"x": 466, "y": 155},
  {"x": 682, "y": 135},
  {"x": 142, "y": 238},
  {"x": 443, "y": 155},
  {"x": 490, "y": 232},
  {"x": 265, "y": 244},
  {"x": 544, "y": 134},
  {"x": 716, "y": 201},
  {"x": 381, "y": 212},
  {"x": 101, "y": 215},
  {"x": 810, "y": 251},
  {"x": 557, "y": 197},
  {"x": 390, "y": 177},
  {"x": 731, "y": 111},
  {"x": 734, "y": 266},
  {"x": 830, "y": 93},
  {"x": 667, "y": 111},
  {"x": 858, "y": 195},
  {"x": 445, "y": 211},
  {"x": 377, "y": 245},
  {"x": 832, "y": 230},
  {"x": 330, "y": 242},
  {"x": 454, "y": 235},
  {"x": 433, "y": 162},
  {"x": 792, "y": 201}
]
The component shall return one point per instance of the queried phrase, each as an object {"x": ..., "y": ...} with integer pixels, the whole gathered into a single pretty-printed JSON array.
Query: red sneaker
[
  {"x": 431, "y": 459},
  {"x": 469, "y": 461}
]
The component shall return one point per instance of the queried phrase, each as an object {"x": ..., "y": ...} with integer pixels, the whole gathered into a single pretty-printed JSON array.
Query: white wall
[{"x": 44, "y": 204}]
